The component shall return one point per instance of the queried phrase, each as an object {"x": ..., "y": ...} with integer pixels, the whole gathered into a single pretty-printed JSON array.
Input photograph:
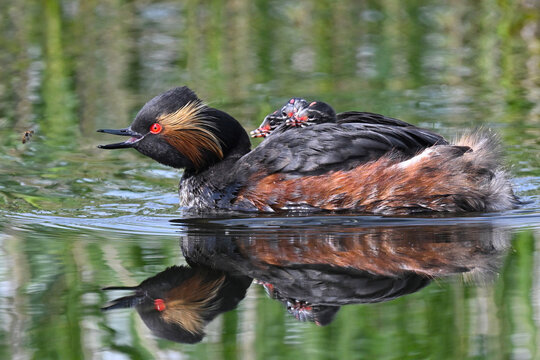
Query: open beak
[
  {"x": 123, "y": 303},
  {"x": 135, "y": 137}
]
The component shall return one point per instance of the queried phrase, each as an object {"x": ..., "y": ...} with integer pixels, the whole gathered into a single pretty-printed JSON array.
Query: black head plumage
[
  {"x": 177, "y": 303},
  {"x": 175, "y": 128}
]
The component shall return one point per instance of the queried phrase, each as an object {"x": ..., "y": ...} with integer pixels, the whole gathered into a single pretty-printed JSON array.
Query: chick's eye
[
  {"x": 311, "y": 116},
  {"x": 155, "y": 128}
]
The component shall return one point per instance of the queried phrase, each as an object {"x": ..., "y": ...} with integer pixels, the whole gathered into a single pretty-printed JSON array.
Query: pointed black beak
[
  {"x": 122, "y": 303},
  {"x": 135, "y": 137},
  {"x": 120, "y": 288}
]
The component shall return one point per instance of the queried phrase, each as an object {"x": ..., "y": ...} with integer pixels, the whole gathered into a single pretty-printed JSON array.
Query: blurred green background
[{"x": 74, "y": 218}]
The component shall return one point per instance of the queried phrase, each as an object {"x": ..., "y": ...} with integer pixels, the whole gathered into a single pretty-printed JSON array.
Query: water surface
[{"x": 74, "y": 218}]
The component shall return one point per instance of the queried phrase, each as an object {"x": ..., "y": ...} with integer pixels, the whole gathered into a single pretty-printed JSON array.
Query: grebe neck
[{"x": 204, "y": 189}]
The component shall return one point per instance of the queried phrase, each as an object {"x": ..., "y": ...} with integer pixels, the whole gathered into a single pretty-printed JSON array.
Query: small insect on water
[{"x": 27, "y": 135}]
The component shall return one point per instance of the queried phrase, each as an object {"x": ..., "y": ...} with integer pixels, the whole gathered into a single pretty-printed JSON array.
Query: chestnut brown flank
[
  {"x": 384, "y": 186},
  {"x": 386, "y": 251},
  {"x": 190, "y": 133}
]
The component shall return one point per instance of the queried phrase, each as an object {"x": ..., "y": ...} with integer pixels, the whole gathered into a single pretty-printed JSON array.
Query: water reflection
[
  {"x": 177, "y": 303},
  {"x": 72, "y": 216},
  {"x": 313, "y": 270}
]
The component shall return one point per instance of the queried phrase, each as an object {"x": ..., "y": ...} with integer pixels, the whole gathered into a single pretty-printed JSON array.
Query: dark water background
[{"x": 75, "y": 218}]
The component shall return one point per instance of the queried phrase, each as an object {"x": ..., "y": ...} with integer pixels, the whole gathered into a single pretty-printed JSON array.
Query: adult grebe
[{"x": 364, "y": 163}]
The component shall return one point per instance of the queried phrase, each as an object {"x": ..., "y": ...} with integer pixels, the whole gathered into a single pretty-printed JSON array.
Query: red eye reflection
[
  {"x": 159, "y": 304},
  {"x": 155, "y": 128}
]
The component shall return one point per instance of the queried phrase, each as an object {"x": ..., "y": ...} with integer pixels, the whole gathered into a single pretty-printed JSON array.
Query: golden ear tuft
[
  {"x": 187, "y": 303},
  {"x": 190, "y": 133}
]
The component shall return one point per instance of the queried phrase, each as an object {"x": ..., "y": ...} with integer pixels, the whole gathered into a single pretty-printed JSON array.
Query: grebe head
[
  {"x": 316, "y": 112},
  {"x": 279, "y": 117},
  {"x": 177, "y": 303},
  {"x": 176, "y": 129}
]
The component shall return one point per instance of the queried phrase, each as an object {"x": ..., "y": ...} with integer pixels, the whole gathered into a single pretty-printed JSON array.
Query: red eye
[
  {"x": 159, "y": 304},
  {"x": 155, "y": 128}
]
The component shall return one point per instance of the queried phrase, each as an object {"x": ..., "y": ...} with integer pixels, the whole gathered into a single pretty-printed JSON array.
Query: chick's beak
[
  {"x": 135, "y": 137},
  {"x": 263, "y": 130}
]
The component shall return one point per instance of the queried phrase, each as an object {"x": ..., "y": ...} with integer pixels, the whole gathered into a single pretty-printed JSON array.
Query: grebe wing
[
  {"x": 321, "y": 148},
  {"x": 369, "y": 118},
  {"x": 422, "y": 136}
]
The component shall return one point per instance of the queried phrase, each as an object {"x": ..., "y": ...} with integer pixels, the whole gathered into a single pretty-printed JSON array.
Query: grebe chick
[
  {"x": 301, "y": 113},
  {"x": 317, "y": 112},
  {"x": 274, "y": 120}
]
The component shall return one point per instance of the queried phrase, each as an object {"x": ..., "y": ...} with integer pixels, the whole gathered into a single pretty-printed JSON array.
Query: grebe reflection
[{"x": 311, "y": 270}]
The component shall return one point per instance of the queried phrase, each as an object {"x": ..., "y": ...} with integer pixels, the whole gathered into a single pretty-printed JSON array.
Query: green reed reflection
[
  {"x": 513, "y": 300},
  {"x": 444, "y": 320},
  {"x": 70, "y": 67},
  {"x": 58, "y": 120}
]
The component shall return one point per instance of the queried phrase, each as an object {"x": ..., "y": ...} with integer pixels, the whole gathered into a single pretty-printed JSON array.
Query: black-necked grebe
[{"x": 364, "y": 163}]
